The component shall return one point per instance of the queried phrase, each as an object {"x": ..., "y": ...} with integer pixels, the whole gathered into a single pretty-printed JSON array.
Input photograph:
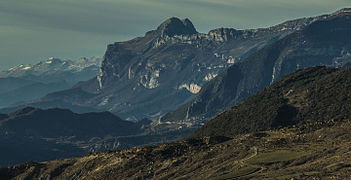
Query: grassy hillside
[
  {"x": 275, "y": 154},
  {"x": 310, "y": 98}
]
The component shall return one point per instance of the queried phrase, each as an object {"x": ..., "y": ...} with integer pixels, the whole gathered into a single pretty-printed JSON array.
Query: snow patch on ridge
[{"x": 26, "y": 68}]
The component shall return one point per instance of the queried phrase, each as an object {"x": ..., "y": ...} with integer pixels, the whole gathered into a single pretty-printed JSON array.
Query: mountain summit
[{"x": 175, "y": 26}]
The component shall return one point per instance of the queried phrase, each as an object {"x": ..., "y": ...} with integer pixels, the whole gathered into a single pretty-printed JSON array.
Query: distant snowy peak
[{"x": 53, "y": 65}]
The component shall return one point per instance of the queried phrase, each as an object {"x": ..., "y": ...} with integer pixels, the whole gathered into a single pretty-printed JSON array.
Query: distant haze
[{"x": 34, "y": 30}]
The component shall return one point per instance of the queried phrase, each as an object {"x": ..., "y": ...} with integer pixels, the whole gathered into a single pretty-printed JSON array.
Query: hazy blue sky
[{"x": 33, "y": 30}]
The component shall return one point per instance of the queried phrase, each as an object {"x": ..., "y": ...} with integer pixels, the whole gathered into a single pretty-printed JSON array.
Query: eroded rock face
[{"x": 324, "y": 42}]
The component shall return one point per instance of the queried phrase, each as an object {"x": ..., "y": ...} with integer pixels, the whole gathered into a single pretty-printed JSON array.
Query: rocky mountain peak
[
  {"x": 223, "y": 34},
  {"x": 175, "y": 26}
]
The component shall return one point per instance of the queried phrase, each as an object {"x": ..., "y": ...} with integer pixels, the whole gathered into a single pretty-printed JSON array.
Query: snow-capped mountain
[
  {"x": 29, "y": 82},
  {"x": 55, "y": 69}
]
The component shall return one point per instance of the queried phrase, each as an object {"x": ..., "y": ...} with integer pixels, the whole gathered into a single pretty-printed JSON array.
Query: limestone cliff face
[
  {"x": 324, "y": 42},
  {"x": 169, "y": 65}
]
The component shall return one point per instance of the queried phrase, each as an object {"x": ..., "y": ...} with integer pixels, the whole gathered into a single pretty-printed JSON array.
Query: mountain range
[
  {"x": 154, "y": 74},
  {"x": 297, "y": 128},
  {"x": 28, "y": 82}
]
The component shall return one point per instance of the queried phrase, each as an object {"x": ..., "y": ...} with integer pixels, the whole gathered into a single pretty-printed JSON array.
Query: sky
[{"x": 34, "y": 30}]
